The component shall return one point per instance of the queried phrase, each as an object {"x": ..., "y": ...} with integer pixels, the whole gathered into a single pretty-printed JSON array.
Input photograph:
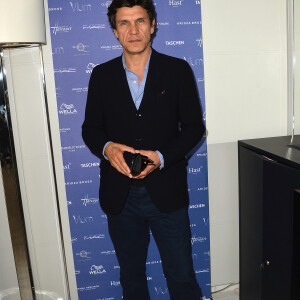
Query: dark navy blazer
[{"x": 169, "y": 120}]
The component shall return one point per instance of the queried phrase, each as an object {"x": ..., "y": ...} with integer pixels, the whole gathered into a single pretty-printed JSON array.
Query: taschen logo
[
  {"x": 97, "y": 270},
  {"x": 67, "y": 109},
  {"x": 174, "y": 43},
  {"x": 90, "y": 165},
  {"x": 175, "y": 3}
]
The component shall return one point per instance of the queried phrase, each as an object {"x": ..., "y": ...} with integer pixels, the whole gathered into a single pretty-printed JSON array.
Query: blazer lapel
[{"x": 153, "y": 80}]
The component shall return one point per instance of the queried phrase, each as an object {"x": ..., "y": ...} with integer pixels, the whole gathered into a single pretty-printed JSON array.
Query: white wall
[{"x": 245, "y": 60}]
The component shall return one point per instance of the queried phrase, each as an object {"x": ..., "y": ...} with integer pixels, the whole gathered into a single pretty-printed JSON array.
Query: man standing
[{"x": 145, "y": 102}]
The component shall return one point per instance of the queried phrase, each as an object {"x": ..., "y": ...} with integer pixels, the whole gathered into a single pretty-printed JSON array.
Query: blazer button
[
  {"x": 138, "y": 114},
  {"x": 138, "y": 140}
]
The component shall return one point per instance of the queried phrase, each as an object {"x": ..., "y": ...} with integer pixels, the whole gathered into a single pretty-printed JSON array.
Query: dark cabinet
[{"x": 269, "y": 180}]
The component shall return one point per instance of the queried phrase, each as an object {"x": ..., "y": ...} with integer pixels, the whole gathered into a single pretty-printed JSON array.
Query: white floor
[{"x": 231, "y": 294}]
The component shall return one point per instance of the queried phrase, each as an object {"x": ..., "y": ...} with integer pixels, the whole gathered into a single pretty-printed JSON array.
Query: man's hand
[
  {"x": 114, "y": 153},
  {"x": 150, "y": 168}
]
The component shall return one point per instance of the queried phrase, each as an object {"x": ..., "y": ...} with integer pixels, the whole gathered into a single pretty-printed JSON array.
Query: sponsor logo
[
  {"x": 83, "y": 220},
  {"x": 153, "y": 262},
  {"x": 160, "y": 290},
  {"x": 195, "y": 170},
  {"x": 115, "y": 283},
  {"x": 64, "y": 130},
  {"x": 194, "y": 256},
  {"x": 96, "y": 270},
  {"x": 73, "y": 240},
  {"x": 86, "y": 200},
  {"x": 199, "y": 42},
  {"x": 202, "y": 271},
  {"x": 77, "y": 272},
  {"x": 90, "y": 165},
  {"x": 175, "y": 3},
  {"x": 200, "y": 79},
  {"x": 90, "y": 68},
  {"x": 106, "y": 3},
  {"x": 93, "y": 26},
  {"x": 73, "y": 148},
  {"x": 80, "y": 90},
  {"x": 69, "y": 202},
  {"x": 80, "y": 8},
  {"x": 202, "y": 154},
  {"x": 67, "y": 109},
  {"x": 174, "y": 43},
  {"x": 55, "y": 8},
  {"x": 193, "y": 225},
  {"x": 202, "y": 189},
  {"x": 58, "y": 50},
  {"x": 81, "y": 49},
  {"x": 195, "y": 239},
  {"x": 67, "y": 167},
  {"x": 197, "y": 206},
  {"x": 94, "y": 236},
  {"x": 89, "y": 288},
  {"x": 188, "y": 23},
  {"x": 205, "y": 221},
  {"x": 163, "y": 24},
  {"x": 198, "y": 2},
  {"x": 57, "y": 91},
  {"x": 60, "y": 29},
  {"x": 65, "y": 70},
  {"x": 111, "y": 47},
  {"x": 84, "y": 254},
  {"x": 78, "y": 182},
  {"x": 108, "y": 252},
  {"x": 194, "y": 62}
]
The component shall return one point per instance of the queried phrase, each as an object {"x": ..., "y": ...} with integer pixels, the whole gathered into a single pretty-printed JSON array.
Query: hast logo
[{"x": 175, "y": 3}]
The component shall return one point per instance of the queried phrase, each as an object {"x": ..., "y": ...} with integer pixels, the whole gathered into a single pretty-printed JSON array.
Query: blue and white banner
[{"x": 82, "y": 38}]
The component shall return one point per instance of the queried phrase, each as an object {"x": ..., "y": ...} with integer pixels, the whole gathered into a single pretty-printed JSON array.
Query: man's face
[{"x": 133, "y": 29}]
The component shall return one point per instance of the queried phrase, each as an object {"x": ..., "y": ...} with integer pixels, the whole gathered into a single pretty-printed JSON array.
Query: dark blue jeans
[{"x": 129, "y": 232}]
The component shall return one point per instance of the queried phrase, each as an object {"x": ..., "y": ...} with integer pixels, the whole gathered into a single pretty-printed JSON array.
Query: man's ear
[
  {"x": 116, "y": 33},
  {"x": 153, "y": 26}
]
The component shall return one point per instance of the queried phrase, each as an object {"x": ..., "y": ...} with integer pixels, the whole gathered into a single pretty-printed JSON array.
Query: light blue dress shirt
[{"x": 137, "y": 93}]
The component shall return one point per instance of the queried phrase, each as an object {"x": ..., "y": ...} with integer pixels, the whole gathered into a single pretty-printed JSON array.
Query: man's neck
[{"x": 137, "y": 62}]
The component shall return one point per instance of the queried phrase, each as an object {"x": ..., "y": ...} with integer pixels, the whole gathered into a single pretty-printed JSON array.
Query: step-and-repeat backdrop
[{"x": 81, "y": 38}]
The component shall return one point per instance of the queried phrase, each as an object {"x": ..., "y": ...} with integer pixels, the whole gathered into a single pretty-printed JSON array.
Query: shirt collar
[{"x": 126, "y": 68}]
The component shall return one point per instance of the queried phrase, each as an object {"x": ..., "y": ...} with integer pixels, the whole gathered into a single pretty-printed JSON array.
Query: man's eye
[
  {"x": 123, "y": 23},
  {"x": 140, "y": 21}
]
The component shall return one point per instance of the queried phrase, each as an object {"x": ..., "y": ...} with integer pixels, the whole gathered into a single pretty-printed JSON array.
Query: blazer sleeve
[
  {"x": 93, "y": 131},
  {"x": 190, "y": 118}
]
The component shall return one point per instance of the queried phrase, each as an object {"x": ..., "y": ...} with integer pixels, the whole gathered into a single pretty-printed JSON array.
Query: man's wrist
[
  {"x": 103, "y": 152},
  {"x": 161, "y": 158}
]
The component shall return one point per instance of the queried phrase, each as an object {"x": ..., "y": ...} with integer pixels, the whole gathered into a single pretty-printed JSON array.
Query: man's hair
[{"x": 146, "y": 4}]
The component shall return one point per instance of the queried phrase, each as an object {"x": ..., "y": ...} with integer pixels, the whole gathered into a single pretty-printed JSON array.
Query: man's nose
[{"x": 134, "y": 28}]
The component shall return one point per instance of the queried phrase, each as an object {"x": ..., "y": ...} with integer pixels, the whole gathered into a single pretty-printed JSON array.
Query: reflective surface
[{"x": 13, "y": 197}]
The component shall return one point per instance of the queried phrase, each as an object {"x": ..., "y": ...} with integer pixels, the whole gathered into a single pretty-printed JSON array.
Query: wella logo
[
  {"x": 96, "y": 270},
  {"x": 67, "y": 109}
]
